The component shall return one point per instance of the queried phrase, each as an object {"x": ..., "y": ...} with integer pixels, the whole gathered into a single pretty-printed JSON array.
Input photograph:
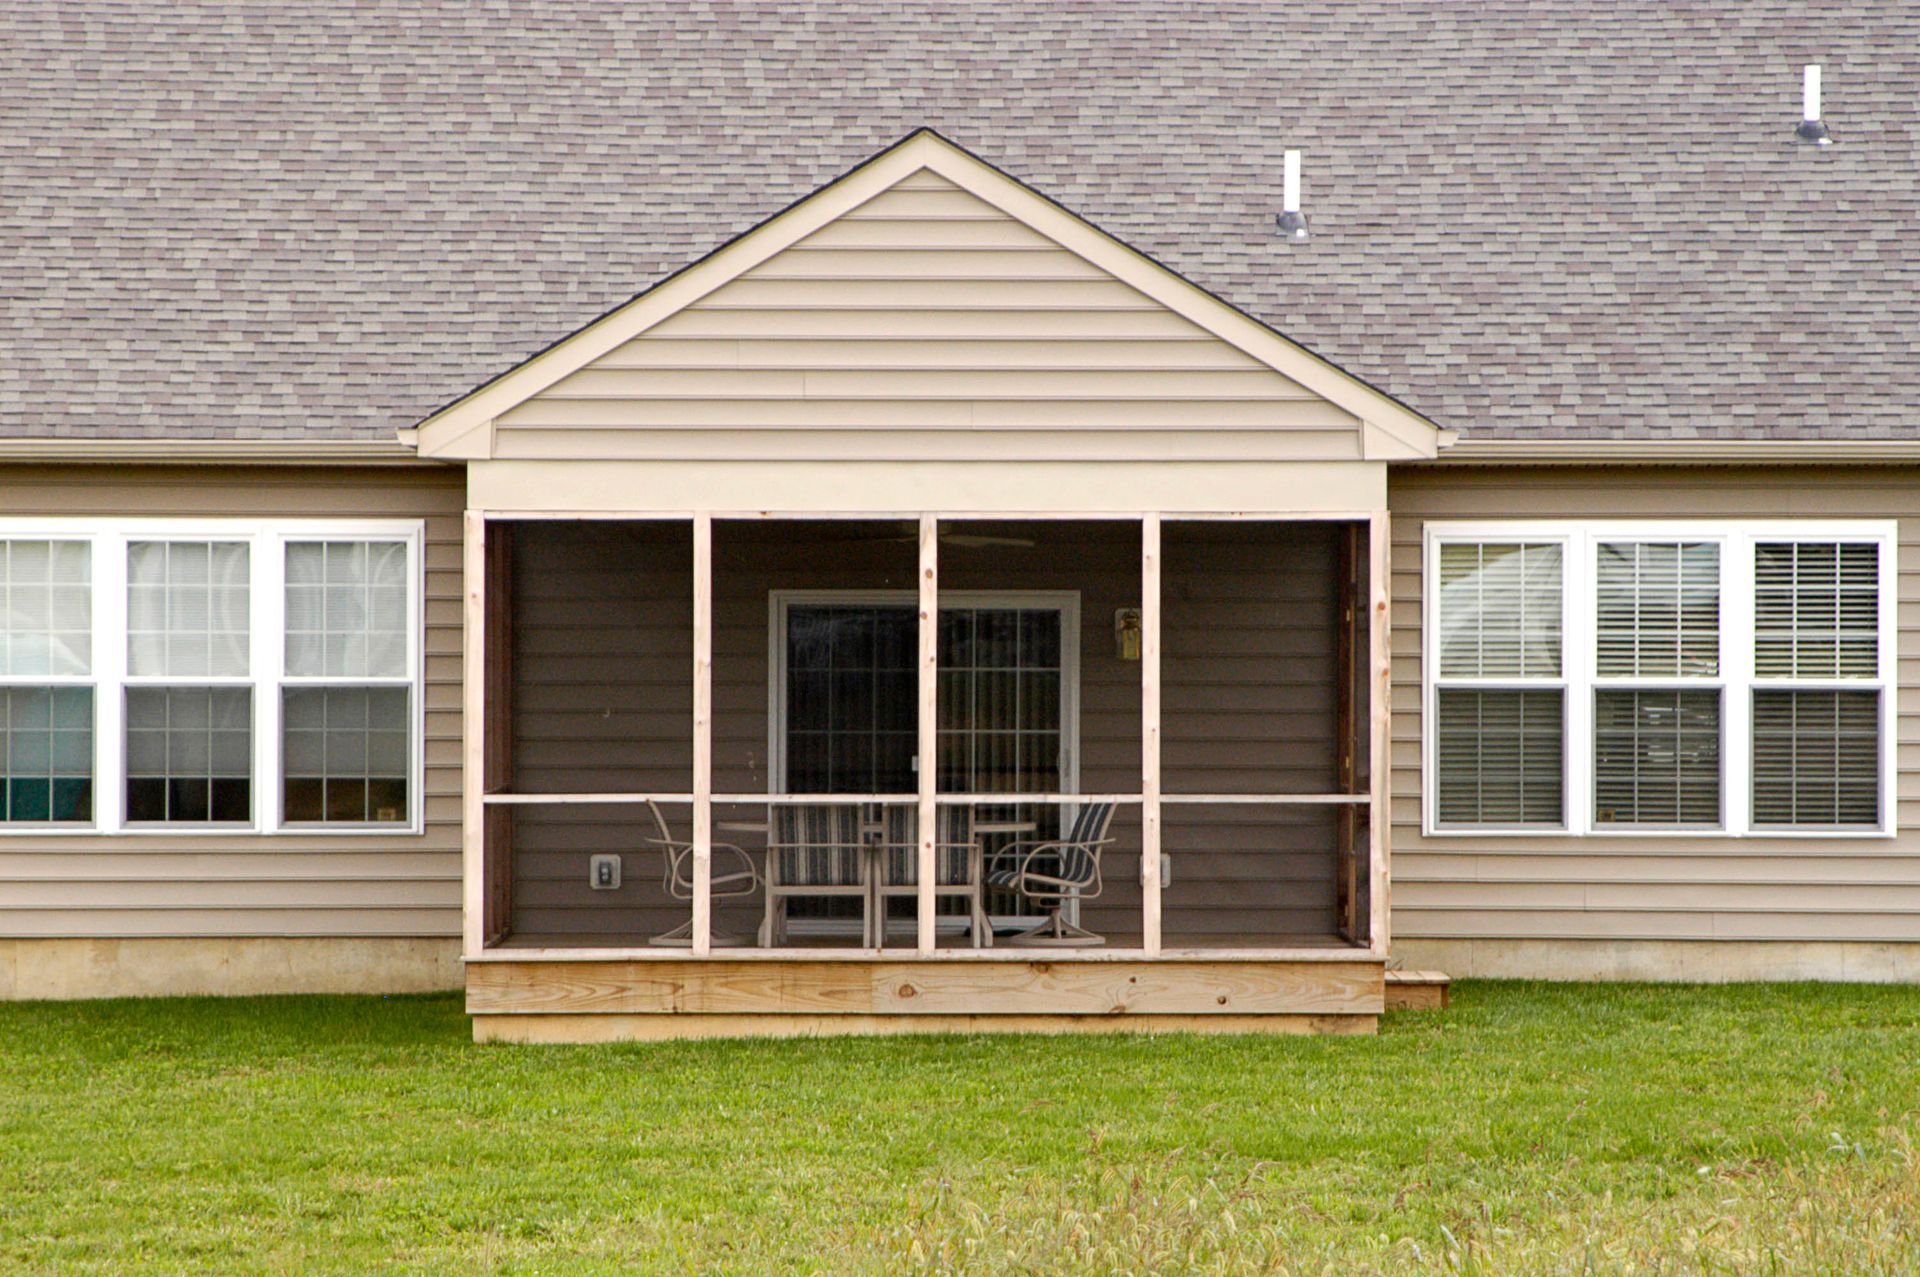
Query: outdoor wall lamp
[{"x": 1126, "y": 633}]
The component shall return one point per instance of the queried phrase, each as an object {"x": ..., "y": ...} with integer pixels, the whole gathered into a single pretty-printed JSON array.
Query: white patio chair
[
  {"x": 957, "y": 868},
  {"x": 814, "y": 850},
  {"x": 1053, "y": 871},
  {"x": 677, "y": 878}
]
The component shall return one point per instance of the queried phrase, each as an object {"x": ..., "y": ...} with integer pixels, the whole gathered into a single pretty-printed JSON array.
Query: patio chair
[
  {"x": 956, "y": 864},
  {"x": 1054, "y": 871},
  {"x": 677, "y": 878},
  {"x": 814, "y": 850}
]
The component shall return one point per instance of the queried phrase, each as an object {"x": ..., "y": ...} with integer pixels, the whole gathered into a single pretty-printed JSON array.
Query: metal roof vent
[
  {"x": 1293, "y": 223},
  {"x": 1811, "y": 128}
]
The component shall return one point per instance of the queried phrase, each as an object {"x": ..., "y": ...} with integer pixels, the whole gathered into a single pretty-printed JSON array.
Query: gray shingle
[{"x": 1530, "y": 218}]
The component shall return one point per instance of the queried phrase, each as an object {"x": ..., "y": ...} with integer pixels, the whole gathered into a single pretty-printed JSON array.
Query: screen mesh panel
[
  {"x": 1501, "y": 757},
  {"x": 1816, "y": 757},
  {"x": 1656, "y": 757}
]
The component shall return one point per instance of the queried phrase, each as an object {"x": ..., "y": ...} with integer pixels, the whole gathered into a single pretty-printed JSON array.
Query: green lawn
[{"x": 1532, "y": 1128}]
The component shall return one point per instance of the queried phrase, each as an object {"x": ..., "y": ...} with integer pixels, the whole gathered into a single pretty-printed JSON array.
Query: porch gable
[{"x": 927, "y": 306}]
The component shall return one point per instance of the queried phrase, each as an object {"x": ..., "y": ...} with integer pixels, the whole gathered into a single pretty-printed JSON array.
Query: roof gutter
[
  {"x": 1660, "y": 452},
  {"x": 267, "y": 452}
]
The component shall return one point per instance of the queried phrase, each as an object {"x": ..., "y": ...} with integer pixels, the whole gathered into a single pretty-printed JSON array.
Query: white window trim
[
  {"x": 266, "y": 540},
  {"x": 1736, "y": 677}
]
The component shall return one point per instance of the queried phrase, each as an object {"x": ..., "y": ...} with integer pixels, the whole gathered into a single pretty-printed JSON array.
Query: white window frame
[
  {"x": 266, "y": 540},
  {"x": 1736, "y": 678}
]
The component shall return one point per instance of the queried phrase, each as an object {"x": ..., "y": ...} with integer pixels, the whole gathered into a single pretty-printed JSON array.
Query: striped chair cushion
[
  {"x": 1076, "y": 850},
  {"x": 952, "y": 850},
  {"x": 818, "y": 846},
  {"x": 1077, "y": 862}
]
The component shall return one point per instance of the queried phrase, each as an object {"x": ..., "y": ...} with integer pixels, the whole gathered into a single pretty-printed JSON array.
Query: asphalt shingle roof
[{"x": 1530, "y": 218}]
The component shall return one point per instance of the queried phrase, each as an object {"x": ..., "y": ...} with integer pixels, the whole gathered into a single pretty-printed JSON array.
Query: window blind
[
  {"x": 1500, "y": 609},
  {"x": 1816, "y": 757},
  {"x": 1816, "y": 609},
  {"x": 1656, "y": 757},
  {"x": 1657, "y": 606},
  {"x": 1501, "y": 756}
]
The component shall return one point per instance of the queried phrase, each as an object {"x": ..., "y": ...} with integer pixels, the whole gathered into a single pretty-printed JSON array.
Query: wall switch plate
[{"x": 603, "y": 873}]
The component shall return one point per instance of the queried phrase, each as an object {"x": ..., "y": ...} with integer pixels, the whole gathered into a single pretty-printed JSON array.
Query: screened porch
[{"x": 1149, "y": 735}]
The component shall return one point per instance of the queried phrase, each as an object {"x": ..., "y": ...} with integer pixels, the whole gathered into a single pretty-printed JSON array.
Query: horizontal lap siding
[
  {"x": 196, "y": 884},
  {"x": 926, "y": 324},
  {"x": 1652, "y": 888}
]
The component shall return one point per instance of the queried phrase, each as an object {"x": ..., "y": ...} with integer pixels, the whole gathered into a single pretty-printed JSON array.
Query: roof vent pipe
[
  {"x": 1811, "y": 129},
  {"x": 1293, "y": 223}
]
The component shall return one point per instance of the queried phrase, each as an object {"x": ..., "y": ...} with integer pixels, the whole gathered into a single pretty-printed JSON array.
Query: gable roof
[
  {"x": 1389, "y": 428},
  {"x": 1531, "y": 218}
]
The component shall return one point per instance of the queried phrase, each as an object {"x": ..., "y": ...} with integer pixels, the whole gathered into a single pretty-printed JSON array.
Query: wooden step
[{"x": 1417, "y": 990}]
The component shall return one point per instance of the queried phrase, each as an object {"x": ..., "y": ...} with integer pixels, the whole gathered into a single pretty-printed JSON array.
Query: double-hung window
[
  {"x": 240, "y": 676},
  {"x": 1729, "y": 678},
  {"x": 46, "y": 682}
]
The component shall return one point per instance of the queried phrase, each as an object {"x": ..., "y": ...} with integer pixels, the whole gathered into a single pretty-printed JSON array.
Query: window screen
[
  {"x": 1500, "y": 756},
  {"x": 46, "y": 747},
  {"x": 1816, "y": 757},
  {"x": 1656, "y": 757},
  {"x": 345, "y": 754},
  {"x": 190, "y": 754}
]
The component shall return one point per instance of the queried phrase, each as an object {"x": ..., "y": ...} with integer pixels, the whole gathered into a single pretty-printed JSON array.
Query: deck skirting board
[
  {"x": 866, "y": 996},
  {"x": 575, "y": 1029}
]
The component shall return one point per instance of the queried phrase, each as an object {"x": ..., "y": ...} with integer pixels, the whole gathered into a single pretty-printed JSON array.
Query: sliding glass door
[{"x": 846, "y": 705}]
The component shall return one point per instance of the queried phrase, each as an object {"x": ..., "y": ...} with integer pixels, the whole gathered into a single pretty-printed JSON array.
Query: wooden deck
[{"x": 655, "y": 996}]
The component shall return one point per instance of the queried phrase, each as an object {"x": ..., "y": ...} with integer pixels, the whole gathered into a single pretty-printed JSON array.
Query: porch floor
[{"x": 901, "y": 945}]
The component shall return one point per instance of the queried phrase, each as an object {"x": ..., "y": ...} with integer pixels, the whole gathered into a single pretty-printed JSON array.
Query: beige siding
[
  {"x": 1666, "y": 888},
  {"x": 220, "y": 885},
  {"x": 926, "y": 322}
]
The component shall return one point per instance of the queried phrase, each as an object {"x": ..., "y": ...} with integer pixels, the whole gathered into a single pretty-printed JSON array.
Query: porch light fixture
[
  {"x": 1126, "y": 633},
  {"x": 1293, "y": 223},
  {"x": 1812, "y": 129}
]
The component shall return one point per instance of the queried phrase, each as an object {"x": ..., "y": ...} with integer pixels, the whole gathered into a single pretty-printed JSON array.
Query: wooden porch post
[
  {"x": 929, "y": 743},
  {"x": 1150, "y": 734},
  {"x": 1379, "y": 738},
  {"x": 702, "y": 735},
  {"x": 473, "y": 755}
]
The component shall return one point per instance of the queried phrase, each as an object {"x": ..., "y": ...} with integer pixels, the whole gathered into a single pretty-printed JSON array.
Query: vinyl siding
[
  {"x": 926, "y": 323},
  {"x": 221, "y": 885},
  {"x": 1619, "y": 887}
]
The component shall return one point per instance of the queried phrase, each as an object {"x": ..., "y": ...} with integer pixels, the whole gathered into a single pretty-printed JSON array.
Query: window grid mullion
[
  {"x": 110, "y": 667},
  {"x": 269, "y": 654}
]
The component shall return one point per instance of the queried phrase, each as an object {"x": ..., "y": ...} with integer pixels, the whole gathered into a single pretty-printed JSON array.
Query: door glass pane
[{"x": 851, "y": 696}]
